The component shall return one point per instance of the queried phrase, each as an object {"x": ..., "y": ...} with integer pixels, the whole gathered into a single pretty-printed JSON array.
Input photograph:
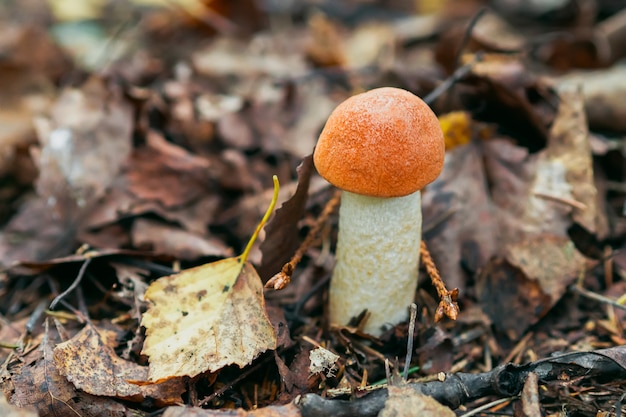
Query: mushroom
[{"x": 380, "y": 148}]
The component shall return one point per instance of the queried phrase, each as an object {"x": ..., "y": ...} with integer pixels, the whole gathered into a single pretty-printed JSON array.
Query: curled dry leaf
[
  {"x": 88, "y": 360},
  {"x": 281, "y": 233}
]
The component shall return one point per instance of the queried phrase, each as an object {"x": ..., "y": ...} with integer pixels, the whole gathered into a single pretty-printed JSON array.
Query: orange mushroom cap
[{"x": 385, "y": 143}]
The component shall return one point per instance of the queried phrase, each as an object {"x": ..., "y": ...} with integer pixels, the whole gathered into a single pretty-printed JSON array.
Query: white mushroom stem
[{"x": 377, "y": 259}]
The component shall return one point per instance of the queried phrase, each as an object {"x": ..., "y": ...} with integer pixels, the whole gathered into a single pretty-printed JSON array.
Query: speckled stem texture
[{"x": 377, "y": 259}]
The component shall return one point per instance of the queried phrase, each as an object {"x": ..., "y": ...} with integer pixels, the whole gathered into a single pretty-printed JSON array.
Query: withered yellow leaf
[{"x": 207, "y": 317}]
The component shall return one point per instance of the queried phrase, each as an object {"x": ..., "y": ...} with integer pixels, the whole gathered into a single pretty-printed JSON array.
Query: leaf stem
[{"x": 244, "y": 256}]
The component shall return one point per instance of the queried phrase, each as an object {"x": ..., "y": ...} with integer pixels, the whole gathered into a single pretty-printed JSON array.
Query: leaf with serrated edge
[{"x": 205, "y": 318}]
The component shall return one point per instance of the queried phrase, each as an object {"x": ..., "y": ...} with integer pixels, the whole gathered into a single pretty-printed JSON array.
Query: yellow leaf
[
  {"x": 457, "y": 128},
  {"x": 207, "y": 317}
]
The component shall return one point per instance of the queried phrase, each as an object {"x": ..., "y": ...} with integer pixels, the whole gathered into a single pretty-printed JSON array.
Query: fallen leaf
[
  {"x": 84, "y": 144},
  {"x": 459, "y": 217},
  {"x": 405, "y": 401},
  {"x": 205, "y": 318},
  {"x": 228, "y": 57},
  {"x": 288, "y": 410},
  {"x": 457, "y": 128},
  {"x": 33, "y": 234},
  {"x": 517, "y": 290},
  {"x": 281, "y": 232},
  {"x": 167, "y": 173},
  {"x": 493, "y": 33},
  {"x": 208, "y": 317},
  {"x": 42, "y": 386},
  {"x": 603, "y": 93},
  {"x": 545, "y": 192},
  {"x": 169, "y": 240},
  {"x": 88, "y": 360},
  {"x": 501, "y": 87},
  {"x": 325, "y": 45},
  {"x": 568, "y": 144},
  {"x": 323, "y": 360}
]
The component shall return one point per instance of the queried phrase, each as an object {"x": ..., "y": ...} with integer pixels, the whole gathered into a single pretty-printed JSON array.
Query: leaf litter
[{"x": 142, "y": 171}]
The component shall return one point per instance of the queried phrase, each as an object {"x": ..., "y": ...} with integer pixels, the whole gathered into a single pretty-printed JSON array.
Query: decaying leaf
[
  {"x": 323, "y": 360},
  {"x": 281, "y": 233},
  {"x": 603, "y": 92},
  {"x": 84, "y": 143},
  {"x": 42, "y": 386},
  {"x": 516, "y": 291},
  {"x": 105, "y": 373},
  {"x": 207, "y": 317},
  {"x": 405, "y": 401},
  {"x": 458, "y": 205},
  {"x": 164, "y": 238}
]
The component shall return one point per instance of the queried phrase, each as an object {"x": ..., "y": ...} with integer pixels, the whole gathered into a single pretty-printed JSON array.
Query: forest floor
[{"x": 139, "y": 143}]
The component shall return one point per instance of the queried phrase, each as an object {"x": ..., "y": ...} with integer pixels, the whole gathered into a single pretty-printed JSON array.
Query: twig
[
  {"x": 409, "y": 344},
  {"x": 283, "y": 278},
  {"x": 505, "y": 381},
  {"x": 488, "y": 406},
  {"x": 468, "y": 32},
  {"x": 72, "y": 287},
  {"x": 460, "y": 72},
  {"x": 451, "y": 80},
  {"x": 232, "y": 383},
  {"x": 447, "y": 299},
  {"x": 597, "y": 297},
  {"x": 564, "y": 200}
]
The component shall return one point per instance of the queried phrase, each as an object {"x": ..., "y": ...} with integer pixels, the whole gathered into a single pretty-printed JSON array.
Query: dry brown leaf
[
  {"x": 460, "y": 217},
  {"x": 501, "y": 90},
  {"x": 32, "y": 235},
  {"x": 325, "y": 46},
  {"x": 24, "y": 95},
  {"x": 32, "y": 50},
  {"x": 604, "y": 93},
  {"x": 170, "y": 240},
  {"x": 281, "y": 233},
  {"x": 88, "y": 360},
  {"x": 310, "y": 109},
  {"x": 569, "y": 145},
  {"x": 405, "y": 401},
  {"x": 84, "y": 144},
  {"x": 42, "y": 386},
  {"x": 516, "y": 291},
  {"x": 493, "y": 33},
  {"x": 229, "y": 57},
  {"x": 554, "y": 262},
  {"x": 547, "y": 191},
  {"x": 167, "y": 173}
]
